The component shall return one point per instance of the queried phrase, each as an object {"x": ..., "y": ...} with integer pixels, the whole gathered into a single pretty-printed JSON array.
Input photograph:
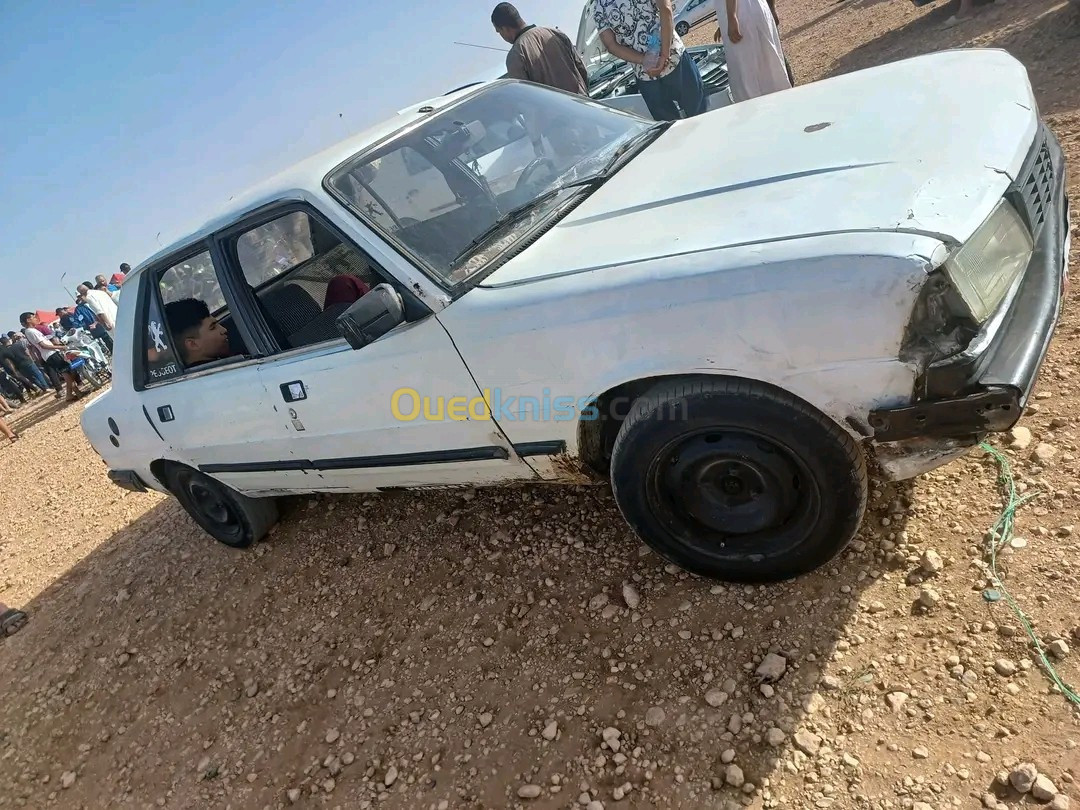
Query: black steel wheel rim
[
  {"x": 732, "y": 492},
  {"x": 218, "y": 513}
]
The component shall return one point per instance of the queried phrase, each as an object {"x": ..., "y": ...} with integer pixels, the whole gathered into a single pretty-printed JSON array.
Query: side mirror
[{"x": 372, "y": 316}]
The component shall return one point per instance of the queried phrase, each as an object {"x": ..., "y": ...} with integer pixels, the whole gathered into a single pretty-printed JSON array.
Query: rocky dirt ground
[{"x": 515, "y": 648}]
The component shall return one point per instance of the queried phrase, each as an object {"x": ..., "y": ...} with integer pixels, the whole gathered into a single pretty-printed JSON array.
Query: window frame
[
  {"x": 231, "y": 249},
  {"x": 225, "y": 240},
  {"x": 238, "y": 306},
  {"x": 555, "y": 215}
]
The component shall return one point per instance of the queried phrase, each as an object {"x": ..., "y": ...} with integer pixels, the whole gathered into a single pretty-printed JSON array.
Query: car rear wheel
[
  {"x": 737, "y": 480},
  {"x": 229, "y": 517},
  {"x": 682, "y": 28}
]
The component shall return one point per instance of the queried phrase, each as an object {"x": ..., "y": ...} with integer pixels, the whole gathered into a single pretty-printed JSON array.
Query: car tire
[
  {"x": 682, "y": 28},
  {"x": 737, "y": 480},
  {"x": 229, "y": 517}
]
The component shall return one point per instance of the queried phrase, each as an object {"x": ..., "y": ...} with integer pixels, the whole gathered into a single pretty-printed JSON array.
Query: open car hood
[{"x": 588, "y": 38}]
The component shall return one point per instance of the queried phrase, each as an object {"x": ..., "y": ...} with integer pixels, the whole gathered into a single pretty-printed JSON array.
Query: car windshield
[{"x": 444, "y": 190}]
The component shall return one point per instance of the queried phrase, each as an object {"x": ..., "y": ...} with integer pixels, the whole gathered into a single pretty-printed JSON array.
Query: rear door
[{"x": 401, "y": 411}]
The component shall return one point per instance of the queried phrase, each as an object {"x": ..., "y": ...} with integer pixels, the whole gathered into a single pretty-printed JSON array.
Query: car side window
[
  {"x": 303, "y": 276},
  {"x": 186, "y": 321}
]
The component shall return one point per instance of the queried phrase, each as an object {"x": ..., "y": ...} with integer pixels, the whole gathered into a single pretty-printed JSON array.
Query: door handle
[
  {"x": 293, "y": 391},
  {"x": 165, "y": 413}
]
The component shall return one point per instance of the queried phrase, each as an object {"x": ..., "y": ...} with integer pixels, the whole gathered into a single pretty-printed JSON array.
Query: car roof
[{"x": 309, "y": 173}]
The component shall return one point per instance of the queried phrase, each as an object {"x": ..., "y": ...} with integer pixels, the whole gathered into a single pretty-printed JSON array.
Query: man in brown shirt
[{"x": 540, "y": 55}]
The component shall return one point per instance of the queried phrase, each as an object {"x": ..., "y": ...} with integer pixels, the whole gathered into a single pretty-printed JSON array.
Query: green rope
[{"x": 1000, "y": 534}]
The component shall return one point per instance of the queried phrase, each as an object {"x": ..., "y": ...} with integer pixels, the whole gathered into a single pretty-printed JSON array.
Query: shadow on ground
[
  {"x": 1044, "y": 38},
  {"x": 35, "y": 412},
  {"x": 166, "y": 667},
  {"x": 836, "y": 7}
]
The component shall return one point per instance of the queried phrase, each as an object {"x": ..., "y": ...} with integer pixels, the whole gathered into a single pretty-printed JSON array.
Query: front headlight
[{"x": 985, "y": 266}]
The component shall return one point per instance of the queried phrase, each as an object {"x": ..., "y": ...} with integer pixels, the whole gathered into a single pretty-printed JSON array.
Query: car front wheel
[
  {"x": 737, "y": 480},
  {"x": 229, "y": 517},
  {"x": 682, "y": 28}
]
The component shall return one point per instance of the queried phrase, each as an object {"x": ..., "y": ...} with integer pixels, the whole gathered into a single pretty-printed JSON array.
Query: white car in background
[
  {"x": 691, "y": 13},
  {"x": 729, "y": 318}
]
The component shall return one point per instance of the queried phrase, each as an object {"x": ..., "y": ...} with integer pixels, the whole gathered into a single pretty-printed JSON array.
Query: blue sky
[{"x": 127, "y": 123}]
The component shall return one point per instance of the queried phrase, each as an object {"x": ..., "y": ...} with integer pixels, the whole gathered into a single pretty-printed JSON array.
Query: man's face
[
  {"x": 210, "y": 343},
  {"x": 33, "y": 320},
  {"x": 99, "y": 280},
  {"x": 507, "y": 34},
  {"x": 83, "y": 290}
]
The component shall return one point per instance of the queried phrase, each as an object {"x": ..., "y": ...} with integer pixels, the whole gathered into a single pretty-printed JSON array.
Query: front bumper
[
  {"x": 128, "y": 479},
  {"x": 986, "y": 388}
]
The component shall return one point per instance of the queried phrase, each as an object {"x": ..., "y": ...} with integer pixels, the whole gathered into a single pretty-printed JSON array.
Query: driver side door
[{"x": 349, "y": 419}]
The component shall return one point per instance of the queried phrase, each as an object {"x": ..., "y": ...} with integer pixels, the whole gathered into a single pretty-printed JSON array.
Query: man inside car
[{"x": 200, "y": 336}]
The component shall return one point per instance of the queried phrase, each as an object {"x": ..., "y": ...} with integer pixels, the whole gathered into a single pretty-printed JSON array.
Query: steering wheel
[{"x": 526, "y": 177}]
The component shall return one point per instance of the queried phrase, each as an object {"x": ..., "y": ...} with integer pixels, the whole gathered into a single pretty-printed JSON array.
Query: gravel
[
  {"x": 772, "y": 667},
  {"x": 1023, "y": 777},
  {"x": 1043, "y": 789}
]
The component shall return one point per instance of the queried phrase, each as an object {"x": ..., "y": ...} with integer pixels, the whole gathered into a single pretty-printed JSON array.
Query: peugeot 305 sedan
[{"x": 729, "y": 318}]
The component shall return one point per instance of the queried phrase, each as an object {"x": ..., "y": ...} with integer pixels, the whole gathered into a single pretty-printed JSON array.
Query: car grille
[{"x": 1036, "y": 188}]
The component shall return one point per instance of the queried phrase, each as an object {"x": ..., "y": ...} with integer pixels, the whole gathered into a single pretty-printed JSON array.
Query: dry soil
[{"x": 514, "y": 648}]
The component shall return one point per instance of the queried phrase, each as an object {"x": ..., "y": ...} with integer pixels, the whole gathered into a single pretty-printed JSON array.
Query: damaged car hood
[{"x": 849, "y": 154}]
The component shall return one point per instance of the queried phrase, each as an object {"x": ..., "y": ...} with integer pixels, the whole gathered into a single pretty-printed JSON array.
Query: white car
[
  {"x": 728, "y": 317},
  {"x": 691, "y": 13}
]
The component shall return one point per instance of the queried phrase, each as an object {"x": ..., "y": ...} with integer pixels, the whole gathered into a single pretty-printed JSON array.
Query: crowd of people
[
  {"x": 40, "y": 358},
  {"x": 642, "y": 33}
]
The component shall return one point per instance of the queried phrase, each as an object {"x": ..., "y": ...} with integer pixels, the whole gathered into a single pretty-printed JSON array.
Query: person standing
[
  {"x": 15, "y": 354},
  {"x": 85, "y": 319},
  {"x": 966, "y": 10},
  {"x": 67, "y": 319},
  {"x": 540, "y": 55},
  {"x": 51, "y": 352},
  {"x": 101, "y": 304},
  {"x": 787, "y": 63},
  {"x": 46, "y": 370},
  {"x": 755, "y": 58},
  {"x": 11, "y": 387},
  {"x": 5, "y": 428},
  {"x": 642, "y": 33}
]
